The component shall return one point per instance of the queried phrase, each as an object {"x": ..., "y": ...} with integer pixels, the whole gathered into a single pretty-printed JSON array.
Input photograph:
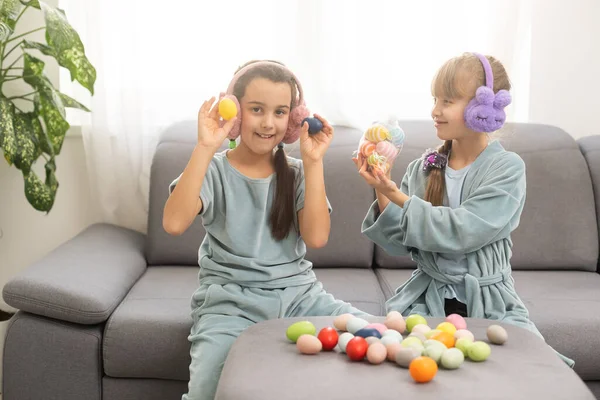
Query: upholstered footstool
[{"x": 264, "y": 365}]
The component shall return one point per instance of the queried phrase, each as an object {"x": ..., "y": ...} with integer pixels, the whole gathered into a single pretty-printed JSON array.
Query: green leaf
[
  {"x": 72, "y": 103},
  {"x": 45, "y": 49},
  {"x": 40, "y": 194},
  {"x": 42, "y": 138},
  {"x": 51, "y": 181},
  {"x": 33, "y": 74},
  {"x": 28, "y": 149},
  {"x": 9, "y": 12},
  {"x": 68, "y": 48},
  {"x": 56, "y": 125},
  {"x": 8, "y": 141},
  {"x": 32, "y": 3}
]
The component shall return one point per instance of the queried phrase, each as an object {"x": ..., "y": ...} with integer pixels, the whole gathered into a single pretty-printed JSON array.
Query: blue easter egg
[
  {"x": 367, "y": 332},
  {"x": 314, "y": 125},
  {"x": 397, "y": 135}
]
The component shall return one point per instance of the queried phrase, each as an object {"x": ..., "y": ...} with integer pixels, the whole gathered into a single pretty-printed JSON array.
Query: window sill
[{"x": 74, "y": 132}]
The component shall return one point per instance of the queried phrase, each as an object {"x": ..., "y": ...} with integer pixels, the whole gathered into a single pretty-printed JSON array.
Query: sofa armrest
[{"x": 84, "y": 279}]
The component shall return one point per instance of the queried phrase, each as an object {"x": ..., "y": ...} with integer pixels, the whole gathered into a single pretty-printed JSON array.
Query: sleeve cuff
[{"x": 379, "y": 228}]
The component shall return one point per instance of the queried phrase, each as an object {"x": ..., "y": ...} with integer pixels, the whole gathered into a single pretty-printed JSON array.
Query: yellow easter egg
[
  {"x": 447, "y": 327},
  {"x": 227, "y": 109},
  {"x": 377, "y": 133}
]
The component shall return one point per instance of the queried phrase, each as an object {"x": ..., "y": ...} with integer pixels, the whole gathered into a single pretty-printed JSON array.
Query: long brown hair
[
  {"x": 283, "y": 211},
  {"x": 459, "y": 77}
]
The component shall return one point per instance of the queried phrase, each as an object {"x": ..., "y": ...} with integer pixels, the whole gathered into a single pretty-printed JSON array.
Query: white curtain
[{"x": 357, "y": 60}]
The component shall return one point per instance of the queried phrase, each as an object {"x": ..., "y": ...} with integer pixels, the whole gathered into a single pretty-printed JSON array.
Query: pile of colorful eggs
[
  {"x": 421, "y": 351},
  {"x": 381, "y": 144}
]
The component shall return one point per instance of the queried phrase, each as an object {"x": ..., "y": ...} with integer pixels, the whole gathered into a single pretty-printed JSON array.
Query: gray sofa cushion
[
  {"x": 559, "y": 203},
  {"x": 172, "y": 154},
  {"x": 349, "y": 196},
  {"x": 565, "y": 306},
  {"x": 84, "y": 279},
  {"x": 390, "y": 279},
  {"x": 146, "y": 389},
  {"x": 594, "y": 386},
  {"x": 357, "y": 286},
  {"x": 146, "y": 337}
]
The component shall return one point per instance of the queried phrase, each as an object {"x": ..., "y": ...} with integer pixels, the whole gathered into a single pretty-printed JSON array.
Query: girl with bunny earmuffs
[{"x": 457, "y": 205}]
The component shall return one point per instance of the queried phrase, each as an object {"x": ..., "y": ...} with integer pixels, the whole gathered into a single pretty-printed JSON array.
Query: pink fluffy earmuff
[{"x": 297, "y": 115}]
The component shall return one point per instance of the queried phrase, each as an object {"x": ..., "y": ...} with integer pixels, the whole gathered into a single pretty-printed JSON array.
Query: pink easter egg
[
  {"x": 380, "y": 327},
  {"x": 457, "y": 320},
  {"x": 309, "y": 344},
  {"x": 393, "y": 314},
  {"x": 392, "y": 349},
  {"x": 376, "y": 353},
  {"x": 395, "y": 323},
  {"x": 463, "y": 333},
  {"x": 341, "y": 321},
  {"x": 387, "y": 149}
]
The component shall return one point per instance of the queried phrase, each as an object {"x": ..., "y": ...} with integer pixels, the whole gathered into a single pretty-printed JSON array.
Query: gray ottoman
[{"x": 264, "y": 365}]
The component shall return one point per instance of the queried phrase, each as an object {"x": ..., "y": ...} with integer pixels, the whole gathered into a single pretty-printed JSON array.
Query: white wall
[
  {"x": 565, "y": 62},
  {"x": 27, "y": 234}
]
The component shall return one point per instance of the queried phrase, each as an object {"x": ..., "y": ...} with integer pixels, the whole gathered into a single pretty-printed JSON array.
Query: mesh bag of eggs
[{"x": 381, "y": 144}]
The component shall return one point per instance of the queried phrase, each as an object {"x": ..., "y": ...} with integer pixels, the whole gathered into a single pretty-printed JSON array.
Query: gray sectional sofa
[{"x": 107, "y": 314}]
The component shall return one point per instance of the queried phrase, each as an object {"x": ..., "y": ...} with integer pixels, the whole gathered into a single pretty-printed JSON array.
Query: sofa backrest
[
  {"x": 348, "y": 195},
  {"x": 172, "y": 154},
  {"x": 590, "y": 147},
  {"x": 558, "y": 228}
]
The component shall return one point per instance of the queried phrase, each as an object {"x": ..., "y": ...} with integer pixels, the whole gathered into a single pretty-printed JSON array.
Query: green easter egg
[
  {"x": 412, "y": 341},
  {"x": 434, "y": 352},
  {"x": 298, "y": 329},
  {"x": 463, "y": 345},
  {"x": 452, "y": 358},
  {"x": 479, "y": 351},
  {"x": 413, "y": 320},
  {"x": 436, "y": 343}
]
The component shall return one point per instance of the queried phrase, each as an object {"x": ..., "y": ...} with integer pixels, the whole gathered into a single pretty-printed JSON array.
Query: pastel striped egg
[
  {"x": 377, "y": 133},
  {"x": 376, "y": 160},
  {"x": 397, "y": 135},
  {"x": 387, "y": 149},
  {"x": 367, "y": 148}
]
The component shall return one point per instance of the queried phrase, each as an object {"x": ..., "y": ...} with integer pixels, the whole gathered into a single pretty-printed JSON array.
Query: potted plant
[{"x": 28, "y": 135}]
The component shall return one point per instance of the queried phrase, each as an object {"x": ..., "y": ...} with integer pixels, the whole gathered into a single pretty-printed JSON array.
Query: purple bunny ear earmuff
[
  {"x": 485, "y": 112},
  {"x": 299, "y": 110},
  {"x": 502, "y": 99}
]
